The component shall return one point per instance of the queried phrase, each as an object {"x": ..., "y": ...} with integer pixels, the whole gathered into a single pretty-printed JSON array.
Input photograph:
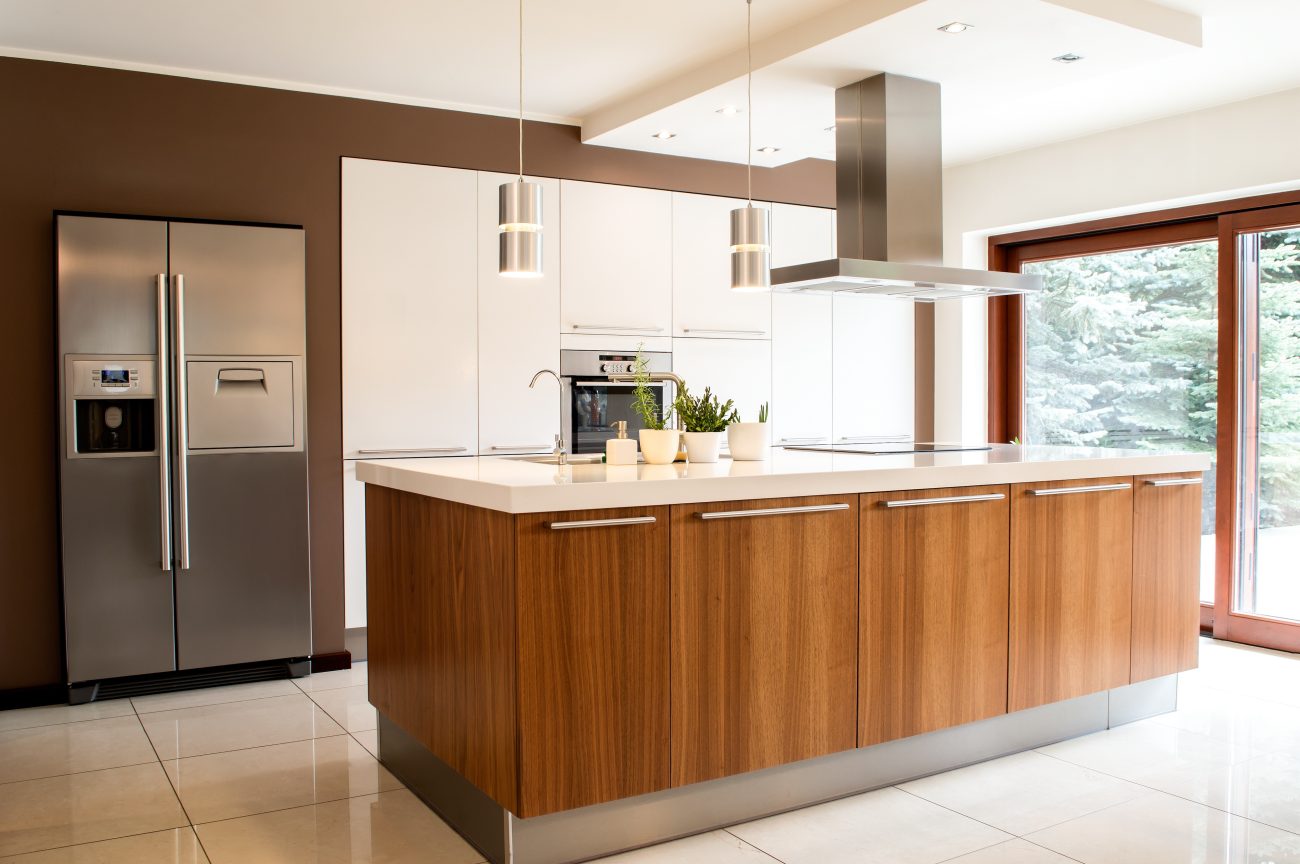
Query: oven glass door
[{"x": 597, "y": 405}]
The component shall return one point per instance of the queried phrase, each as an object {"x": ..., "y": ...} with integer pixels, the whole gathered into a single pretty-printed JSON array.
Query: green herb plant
[
  {"x": 704, "y": 413},
  {"x": 643, "y": 398},
  {"x": 762, "y": 413}
]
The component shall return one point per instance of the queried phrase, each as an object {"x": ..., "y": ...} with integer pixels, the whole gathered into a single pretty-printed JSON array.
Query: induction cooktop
[{"x": 891, "y": 447}]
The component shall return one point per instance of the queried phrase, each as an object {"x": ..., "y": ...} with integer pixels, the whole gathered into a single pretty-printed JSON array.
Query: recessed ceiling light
[
  {"x": 728, "y": 110},
  {"x": 664, "y": 135},
  {"x": 955, "y": 27},
  {"x": 1068, "y": 58},
  {"x": 769, "y": 149}
]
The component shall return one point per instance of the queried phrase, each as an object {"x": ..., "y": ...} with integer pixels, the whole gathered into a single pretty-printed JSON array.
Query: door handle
[
  {"x": 955, "y": 499},
  {"x": 1075, "y": 490},
  {"x": 182, "y": 423},
  {"x": 602, "y": 523},
  {"x": 412, "y": 450},
  {"x": 1176, "y": 481},
  {"x": 772, "y": 511},
  {"x": 164, "y": 431}
]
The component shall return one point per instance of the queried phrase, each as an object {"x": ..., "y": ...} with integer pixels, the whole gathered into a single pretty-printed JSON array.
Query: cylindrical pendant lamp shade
[
  {"x": 751, "y": 249},
  {"x": 520, "y": 221}
]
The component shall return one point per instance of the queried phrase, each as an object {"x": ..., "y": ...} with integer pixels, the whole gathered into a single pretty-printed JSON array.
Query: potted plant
[
  {"x": 705, "y": 419},
  {"x": 658, "y": 441},
  {"x": 748, "y": 441}
]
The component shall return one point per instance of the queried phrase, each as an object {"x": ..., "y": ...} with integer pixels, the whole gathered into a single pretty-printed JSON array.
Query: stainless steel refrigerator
[{"x": 183, "y": 458}]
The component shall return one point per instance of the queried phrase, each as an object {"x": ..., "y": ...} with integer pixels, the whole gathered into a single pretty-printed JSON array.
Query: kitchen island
[{"x": 570, "y": 660}]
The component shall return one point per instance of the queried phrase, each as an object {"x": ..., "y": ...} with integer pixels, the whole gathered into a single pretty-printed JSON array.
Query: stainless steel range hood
[{"x": 889, "y": 202}]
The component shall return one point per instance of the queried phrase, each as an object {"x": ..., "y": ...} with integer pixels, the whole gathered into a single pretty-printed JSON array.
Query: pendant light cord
[
  {"x": 521, "y": 91},
  {"x": 749, "y": 100}
]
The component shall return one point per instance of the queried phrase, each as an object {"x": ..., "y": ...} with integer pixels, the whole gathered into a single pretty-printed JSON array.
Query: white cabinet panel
[
  {"x": 409, "y": 307},
  {"x": 736, "y": 369},
  {"x": 873, "y": 362},
  {"x": 616, "y": 244},
  {"x": 703, "y": 303},
  {"x": 354, "y": 547},
  {"x": 801, "y": 234},
  {"x": 802, "y": 357},
  {"x": 518, "y": 332}
]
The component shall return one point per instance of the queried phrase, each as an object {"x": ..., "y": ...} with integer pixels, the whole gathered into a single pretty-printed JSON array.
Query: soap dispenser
[{"x": 622, "y": 449}]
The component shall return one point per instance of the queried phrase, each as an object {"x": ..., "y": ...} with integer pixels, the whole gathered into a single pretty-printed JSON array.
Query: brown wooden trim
[
  {"x": 31, "y": 697},
  {"x": 1225, "y": 499},
  {"x": 1006, "y": 362},
  {"x": 332, "y": 661},
  {"x": 1116, "y": 241},
  {"x": 1207, "y": 619}
]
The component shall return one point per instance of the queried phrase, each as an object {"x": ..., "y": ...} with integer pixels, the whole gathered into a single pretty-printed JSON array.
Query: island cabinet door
[
  {"x": 592, "y": 601},
  {"x": 1071, "y": 588},
  {"x": 934, "y": 593},
  {"x": 1166, "y": 574},
  {"x": 764, "y": 633}
]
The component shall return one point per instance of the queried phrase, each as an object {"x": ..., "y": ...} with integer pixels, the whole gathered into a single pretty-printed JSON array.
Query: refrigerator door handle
[
  {"x": 182, "y": 424},
  {"x": 164, "y": 431}
]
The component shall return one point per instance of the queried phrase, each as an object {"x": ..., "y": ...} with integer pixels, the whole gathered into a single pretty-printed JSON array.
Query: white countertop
[{"x": 512, "y": 485}]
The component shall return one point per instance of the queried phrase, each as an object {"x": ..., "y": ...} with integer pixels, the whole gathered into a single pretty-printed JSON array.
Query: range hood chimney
[{"x": 889, "y": 217}]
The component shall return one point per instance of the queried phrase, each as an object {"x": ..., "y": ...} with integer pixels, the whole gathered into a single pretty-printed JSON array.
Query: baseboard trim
[
  {"x": 354, "y": 639},
  {"x": 32, "y": 697},
  {"x": 331, "y": 661}
]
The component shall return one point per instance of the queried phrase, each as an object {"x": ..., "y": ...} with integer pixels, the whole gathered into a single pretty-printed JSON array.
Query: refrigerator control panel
[{"x": 112, "y": 378}]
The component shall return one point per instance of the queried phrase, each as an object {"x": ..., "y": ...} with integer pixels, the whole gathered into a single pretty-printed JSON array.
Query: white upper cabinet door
[
  {"x": 703, "y": 303},
  {"x": 409, "y": 309},
  {"x": 617, "y": 246},
  {"x": 736, "y": 369},
  {"x": 872, "y": 368},
  {"x": 518, "y": 332},
  {"x": 802, "y": 357}
]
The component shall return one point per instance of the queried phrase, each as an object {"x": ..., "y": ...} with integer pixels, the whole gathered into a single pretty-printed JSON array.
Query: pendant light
[
  {"x": 751, "y": 247},
  {"x": 519, "y": 213}
]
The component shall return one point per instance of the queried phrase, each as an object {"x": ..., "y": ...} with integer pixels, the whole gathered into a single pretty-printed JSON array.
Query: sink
[{"x": 550, "y": 459}]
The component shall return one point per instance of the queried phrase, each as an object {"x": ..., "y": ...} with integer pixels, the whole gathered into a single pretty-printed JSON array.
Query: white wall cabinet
[
  {"x": 736, "y": 369},
  {"x": 518, "y": 332},
  {"x": 616, "y": 245},
  {"x": 703, "y": 303},
  {"x": 802, "y": 332},
  {"x": 872, "y": 368},
  {"x": 409, "y": 309}
]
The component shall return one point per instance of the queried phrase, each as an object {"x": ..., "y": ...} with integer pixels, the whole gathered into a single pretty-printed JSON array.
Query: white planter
[
  {"x": 748, "y": 442},
  {"x": 702, "y": 446},
  {"x": 659, "y": 446}
]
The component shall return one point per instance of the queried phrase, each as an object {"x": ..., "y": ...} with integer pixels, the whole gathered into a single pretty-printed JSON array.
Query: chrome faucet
[
  {"x": 653, "y": 376},
  {"x": 560, "y": 452}
]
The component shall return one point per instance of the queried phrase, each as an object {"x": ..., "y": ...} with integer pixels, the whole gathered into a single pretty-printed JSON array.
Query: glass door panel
[{"x": 1121, "y": 350}]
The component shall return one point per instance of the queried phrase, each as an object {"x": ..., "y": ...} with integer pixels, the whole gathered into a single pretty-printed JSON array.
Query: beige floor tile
[
  {"x": 213, "y": 696},
  {"x": 1250, "y": 724},
  {"x": 49, "y": 715},
  {"x": 1024, "y": 792},
  {"x": 716, "y": 847},
  {"x": 369, "y": 739},
  {"x": 887, "y": 826},
  {"x": 237, "y": 725},
  {"x": 1162, "y": 829},
  {"x": 1131, "y": 752},
  {"x": 246, "y": 782},
  {"x": 335, "y": 680},
  {"x": 83, "y": 808},
  {"x": 90, "y": 745},
  {"x": 391, "y": 827},
  {"x": 1265, "y": 789},
  {"x": 175, "y": 846},
  {"x": 1012, "y": 852},
  {"x": 350, "y": 706}
]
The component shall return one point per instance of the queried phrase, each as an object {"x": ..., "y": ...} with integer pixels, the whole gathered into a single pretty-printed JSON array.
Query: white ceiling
[{"x": 623, "y": 70}]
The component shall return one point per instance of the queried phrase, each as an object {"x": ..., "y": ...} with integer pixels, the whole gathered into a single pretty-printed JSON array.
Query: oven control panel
[{"x": 617, "y": 368}]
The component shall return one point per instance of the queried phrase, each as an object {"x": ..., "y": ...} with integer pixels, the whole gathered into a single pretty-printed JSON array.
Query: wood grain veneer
[
  {"x": 1166, "y": 577},
  {"x": 1071, "y": 591},
  {"x": 933, "y": 621},
  {"x": 593, "y": 659},
  {"x": 764, "y": 636},
  {"x": 441, "y": 607}
]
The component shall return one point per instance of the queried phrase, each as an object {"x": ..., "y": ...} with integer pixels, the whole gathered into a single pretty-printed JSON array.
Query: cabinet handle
[
  {"x": 724, "y": 332},
  {"x": 520, "y": 447},
  {"x": 772, "y": 511},
  {"x": 875, "y": 439},
  {"x": 605, "y": 327},
  {"x": 956, "y": 499},
  {"x": 1176, "y": 481},
  {"x": 413, "y": 450},
  {"x": 813, "y": 440},
  {"x": 602, "y": 523},
  {"x": 1074, "y": 490}
]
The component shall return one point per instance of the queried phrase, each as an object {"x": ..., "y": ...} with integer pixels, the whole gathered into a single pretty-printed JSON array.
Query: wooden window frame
[{"x": 1223, "y": 221}]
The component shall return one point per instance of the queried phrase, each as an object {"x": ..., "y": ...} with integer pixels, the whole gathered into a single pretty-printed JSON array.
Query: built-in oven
[{"x": 593, "y": 403}]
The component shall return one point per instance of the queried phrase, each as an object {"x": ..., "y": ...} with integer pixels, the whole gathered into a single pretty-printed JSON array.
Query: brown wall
[{"x": 83, "y": 138}]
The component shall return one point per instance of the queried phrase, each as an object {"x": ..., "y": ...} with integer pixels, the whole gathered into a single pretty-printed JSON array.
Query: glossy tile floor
[{"x": 285, "y": 771}]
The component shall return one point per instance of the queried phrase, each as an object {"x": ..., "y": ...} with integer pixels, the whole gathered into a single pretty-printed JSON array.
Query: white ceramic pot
[
  {"x": 702, "y": 446},
  {"x": 659, "y": 446},
  {"x": 748, "y": 441}
]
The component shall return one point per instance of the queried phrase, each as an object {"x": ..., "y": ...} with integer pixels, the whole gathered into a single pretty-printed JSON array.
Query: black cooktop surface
[{"x": 892, "y": 447}]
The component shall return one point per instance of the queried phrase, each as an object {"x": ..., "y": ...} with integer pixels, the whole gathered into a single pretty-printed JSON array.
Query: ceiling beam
[{"x": 1142, "y": 15}]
